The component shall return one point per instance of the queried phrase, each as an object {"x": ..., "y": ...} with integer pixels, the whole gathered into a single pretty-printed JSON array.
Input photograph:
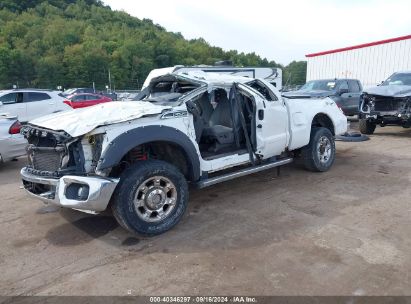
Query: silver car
[{"x": 12, "y": 143}]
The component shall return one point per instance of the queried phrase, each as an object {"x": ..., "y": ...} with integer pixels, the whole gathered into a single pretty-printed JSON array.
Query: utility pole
[{"x": 109, "y": 79}]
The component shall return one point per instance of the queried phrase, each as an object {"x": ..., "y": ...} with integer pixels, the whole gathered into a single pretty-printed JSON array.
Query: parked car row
[
  {"x": 28, "y": 104},
  {"x": 24, "y": 105}
]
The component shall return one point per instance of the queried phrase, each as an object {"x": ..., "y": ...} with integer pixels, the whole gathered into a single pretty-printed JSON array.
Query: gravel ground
[{"x": 344, "y": 232}]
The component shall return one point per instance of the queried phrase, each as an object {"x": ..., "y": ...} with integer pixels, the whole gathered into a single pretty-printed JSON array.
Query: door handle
[{"x": 261, "y": 114}]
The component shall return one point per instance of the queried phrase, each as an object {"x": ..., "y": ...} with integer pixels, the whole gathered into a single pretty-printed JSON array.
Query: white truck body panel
[
  {"x": 273, "y": 133},
  {"x": 301, "y": 113}
]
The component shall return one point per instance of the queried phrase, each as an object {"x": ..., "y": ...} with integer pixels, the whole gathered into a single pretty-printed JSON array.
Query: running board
[{"x": 250, "y": 170}]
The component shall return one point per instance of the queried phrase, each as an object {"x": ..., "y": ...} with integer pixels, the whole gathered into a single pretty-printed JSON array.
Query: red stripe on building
[{"x": 359, "y": 46}]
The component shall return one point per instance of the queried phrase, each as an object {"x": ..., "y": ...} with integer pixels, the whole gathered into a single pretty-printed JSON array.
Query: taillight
[{"x": 15, "y": 128}]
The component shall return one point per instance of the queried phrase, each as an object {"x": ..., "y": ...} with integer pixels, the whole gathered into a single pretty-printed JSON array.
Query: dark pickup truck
[
  {"x": 387, "y": 104},
  {"x": 345, "y": 92}
]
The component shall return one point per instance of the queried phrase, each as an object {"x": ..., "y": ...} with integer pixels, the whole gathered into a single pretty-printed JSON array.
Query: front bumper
[
  {"x": 386, "y": 116},
  {"x": 84, "y": 193}
]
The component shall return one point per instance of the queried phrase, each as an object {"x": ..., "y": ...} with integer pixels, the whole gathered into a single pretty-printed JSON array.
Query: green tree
[
  {"x": 45, "y": 43},
  {"x": 295, "y": 73}
]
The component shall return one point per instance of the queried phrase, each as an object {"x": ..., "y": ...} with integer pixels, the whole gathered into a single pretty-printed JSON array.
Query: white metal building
[{"x": 371, "y": 63}]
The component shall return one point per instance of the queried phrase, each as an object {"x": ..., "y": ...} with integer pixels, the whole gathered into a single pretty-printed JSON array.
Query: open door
[{"x": 271, "y": 121}]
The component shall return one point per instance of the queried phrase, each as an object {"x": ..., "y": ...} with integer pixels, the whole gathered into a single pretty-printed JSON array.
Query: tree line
[{"x": 72, "y": 43}]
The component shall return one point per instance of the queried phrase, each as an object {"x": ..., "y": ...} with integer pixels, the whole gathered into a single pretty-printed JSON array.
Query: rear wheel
[
  {"x": 151, "y": 197},
  {"x": 319, "y": 154},
  {"x": 366, "y": 127}
]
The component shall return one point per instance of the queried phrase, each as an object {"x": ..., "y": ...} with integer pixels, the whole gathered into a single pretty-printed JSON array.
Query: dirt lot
[{"x": 344, "y": 232}]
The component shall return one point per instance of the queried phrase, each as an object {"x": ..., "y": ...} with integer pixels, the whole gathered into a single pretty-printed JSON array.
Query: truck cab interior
[
  {"x": 224, "y": 117},
  {"x": 224, "y": 122}
]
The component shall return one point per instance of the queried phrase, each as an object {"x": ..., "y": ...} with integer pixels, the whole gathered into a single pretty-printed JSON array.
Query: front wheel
[
  {"x": 319, "y": 154},
  {"x": 366, "y": 127},
  {"x": 151, "y": 197}
]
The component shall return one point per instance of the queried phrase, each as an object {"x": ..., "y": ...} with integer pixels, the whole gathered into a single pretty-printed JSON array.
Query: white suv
[{"x": 28, "y": 104}]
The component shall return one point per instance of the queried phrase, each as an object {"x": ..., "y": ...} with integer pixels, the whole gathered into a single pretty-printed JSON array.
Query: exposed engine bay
[
  {"x": 386, "y": 110},
  {"x": 55, "y": 154}
]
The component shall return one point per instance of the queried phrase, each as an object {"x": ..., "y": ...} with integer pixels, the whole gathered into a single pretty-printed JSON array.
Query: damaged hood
[
  {"x": 81, "y": 121},
  {"x": 390, "y": 90}
]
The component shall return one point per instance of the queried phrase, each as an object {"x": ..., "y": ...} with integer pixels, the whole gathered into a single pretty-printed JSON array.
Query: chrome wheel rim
[
  {"x": 324, "y": 149},
  {"x": 155, "y": 199}
]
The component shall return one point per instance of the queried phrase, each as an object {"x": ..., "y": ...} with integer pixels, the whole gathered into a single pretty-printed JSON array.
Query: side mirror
[{"x": 342, "y": 91}]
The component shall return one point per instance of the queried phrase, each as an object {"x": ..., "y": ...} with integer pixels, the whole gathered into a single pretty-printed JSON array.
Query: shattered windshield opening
[
  {"x": 398, "y": 79},
  {"x": 167, "y": 91},
  {"x": 164, "y": 98}
]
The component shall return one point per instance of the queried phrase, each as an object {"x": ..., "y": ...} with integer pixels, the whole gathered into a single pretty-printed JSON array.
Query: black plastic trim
[{"x": 119, "y": 147}]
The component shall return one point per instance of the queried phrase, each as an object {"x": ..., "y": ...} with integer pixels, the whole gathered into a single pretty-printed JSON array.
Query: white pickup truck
[{"x": 138, "y": 158}]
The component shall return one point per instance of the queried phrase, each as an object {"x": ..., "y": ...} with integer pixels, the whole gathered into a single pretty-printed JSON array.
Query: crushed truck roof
[{"x": 204, "y": 78}]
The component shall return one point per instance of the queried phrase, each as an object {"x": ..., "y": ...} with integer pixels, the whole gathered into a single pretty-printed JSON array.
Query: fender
[{"x": 122, "y": 144}]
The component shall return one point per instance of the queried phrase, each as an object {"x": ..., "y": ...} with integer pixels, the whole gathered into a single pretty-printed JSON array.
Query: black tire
[
  {"x": 366, "y": 127},
  {"x": 132, "y": 179},
  {"x": 313, "y": 154},
  {"x": 352, "y": 137}
]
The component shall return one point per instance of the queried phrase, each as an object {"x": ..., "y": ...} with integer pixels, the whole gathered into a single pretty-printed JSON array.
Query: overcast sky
[{"x": 278, "y": 30}]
